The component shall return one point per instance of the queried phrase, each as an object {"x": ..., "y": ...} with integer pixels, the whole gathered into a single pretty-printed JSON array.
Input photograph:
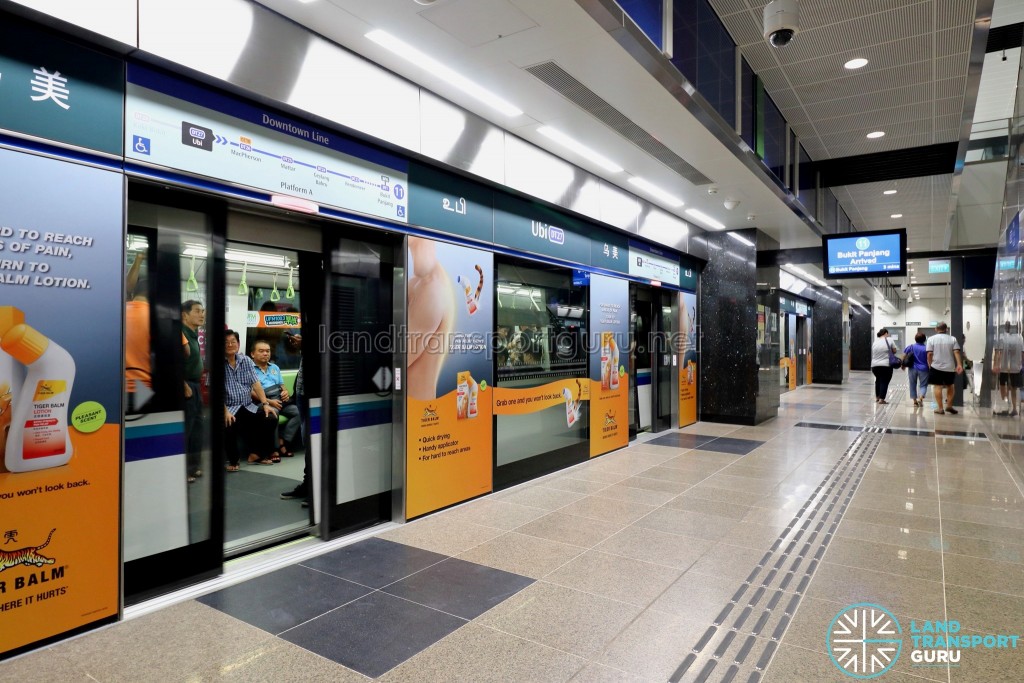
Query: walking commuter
[
  {"x": 944, "y": 364},
  {"x": 883, "y": 352},
  {"x": 916, "y": 361},
  {"x": 1006, "y": 363}
]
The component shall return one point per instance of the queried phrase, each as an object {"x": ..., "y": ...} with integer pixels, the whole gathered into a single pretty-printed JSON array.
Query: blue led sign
[{"x": 865, "y": 254}]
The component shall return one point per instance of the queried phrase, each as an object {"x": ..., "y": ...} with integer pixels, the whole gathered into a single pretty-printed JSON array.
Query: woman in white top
[{"x": 880, "y": 366}]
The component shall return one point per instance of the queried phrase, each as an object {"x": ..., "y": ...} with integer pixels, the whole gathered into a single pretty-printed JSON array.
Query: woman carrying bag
[{"x": 883, "y": 360}]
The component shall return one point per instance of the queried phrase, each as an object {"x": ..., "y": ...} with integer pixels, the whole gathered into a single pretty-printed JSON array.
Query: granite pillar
[
  {"x": 861, "y": 337},
  {"x": 739, "y": 371},
  {"x": 829, "y": 347}
]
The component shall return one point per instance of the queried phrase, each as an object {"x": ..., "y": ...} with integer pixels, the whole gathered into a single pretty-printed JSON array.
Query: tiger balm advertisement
[
  {"x": 609, "y": 359},
  {"x": 449, "y": 379},
  {"x": 61, "y": 310}
]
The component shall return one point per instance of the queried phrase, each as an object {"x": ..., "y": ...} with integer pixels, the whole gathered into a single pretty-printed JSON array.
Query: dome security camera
[
  {"x": 781, "y": 22},
  {"x": 731, "y": 204}
]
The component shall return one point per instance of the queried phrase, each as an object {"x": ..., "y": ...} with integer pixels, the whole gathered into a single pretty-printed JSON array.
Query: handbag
[
  {"x": 908, "y": 359},
  {"x": 894, "y": 360}
]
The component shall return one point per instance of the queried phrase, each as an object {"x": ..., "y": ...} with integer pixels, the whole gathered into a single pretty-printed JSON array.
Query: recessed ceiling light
[
  {"x": 856, "y": 63},
  {"x": 706, "y": 219},
  {"x": 896, "y": 215},
  {"x": 876, "y": 134},
  {"x": 655, "y": 191},
  {"x": 448, "y": 75},
  {"x": 890, "y": 191},
  {"x": 740, "y": 239},
  {"x": 581, "y": 149}
]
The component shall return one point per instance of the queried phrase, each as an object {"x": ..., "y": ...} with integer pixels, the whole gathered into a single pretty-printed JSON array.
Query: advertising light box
[{"x": 865, "y": 254}]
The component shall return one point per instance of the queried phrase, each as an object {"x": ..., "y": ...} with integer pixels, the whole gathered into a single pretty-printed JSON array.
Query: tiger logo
[{"x": 12, "y": 558}]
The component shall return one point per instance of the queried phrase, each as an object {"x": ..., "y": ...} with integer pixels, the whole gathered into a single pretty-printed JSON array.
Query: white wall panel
[
  {"x": 342, "y": 87},
  {"x": 205, "y": 35},
  {"x": 117, "y": 19}
]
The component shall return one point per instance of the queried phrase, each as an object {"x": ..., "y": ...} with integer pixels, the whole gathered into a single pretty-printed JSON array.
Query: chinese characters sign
[{"x": 54, "y": 89}]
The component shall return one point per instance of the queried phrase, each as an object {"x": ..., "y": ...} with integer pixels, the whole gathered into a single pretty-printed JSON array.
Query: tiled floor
[{"x": 718, "y": 553}]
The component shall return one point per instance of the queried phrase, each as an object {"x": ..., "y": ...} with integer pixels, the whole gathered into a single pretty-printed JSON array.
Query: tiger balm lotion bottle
[
  {"x": 11, "y": 374},
  {"x": 39, "y": 437}
]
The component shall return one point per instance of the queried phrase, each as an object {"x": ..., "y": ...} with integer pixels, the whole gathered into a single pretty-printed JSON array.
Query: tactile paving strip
[{"x": 750, "y": 626}]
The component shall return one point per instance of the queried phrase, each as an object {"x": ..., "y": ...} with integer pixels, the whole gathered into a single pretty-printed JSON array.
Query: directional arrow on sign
[
  {"x": 220, "y": 139},
  {"x": 382, "y": 378}
]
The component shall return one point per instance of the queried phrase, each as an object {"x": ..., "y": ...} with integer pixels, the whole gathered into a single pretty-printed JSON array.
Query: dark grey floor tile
[
  {"x": 375, "y": 633},
  {"x": 680, "y": 440},
  {"x": 280, "y": 600},
  {"x": 462, "y": 588},
  {"x": 725, "y": 444},
  {"x": 375, "y": 562}
]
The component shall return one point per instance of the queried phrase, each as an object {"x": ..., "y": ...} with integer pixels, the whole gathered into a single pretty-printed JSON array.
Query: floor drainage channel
[{"x": 735, "y": 637}]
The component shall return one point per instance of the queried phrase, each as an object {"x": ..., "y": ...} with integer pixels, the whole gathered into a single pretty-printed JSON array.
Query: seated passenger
[
  {"x": 280, "y": 400},
  {"x": 251, "y": 423}
]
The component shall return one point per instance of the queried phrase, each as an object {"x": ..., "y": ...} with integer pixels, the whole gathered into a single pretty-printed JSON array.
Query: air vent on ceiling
[{"x": 583, "y": 97}]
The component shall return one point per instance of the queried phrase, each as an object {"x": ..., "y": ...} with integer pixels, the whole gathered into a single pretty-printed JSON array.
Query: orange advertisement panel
[
  {"x": 568, "y": 392},
  {"x": 688, "y": 370},
  {"x": 61, "y": 369},
  {"x": 609, "y": 358},
  {"x": 450, "y": 429}
]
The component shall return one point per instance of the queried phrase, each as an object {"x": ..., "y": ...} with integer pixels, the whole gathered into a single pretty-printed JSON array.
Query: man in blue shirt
[
  {"x": 277, "y": 393},
  {"x": 253, "y": 423}
]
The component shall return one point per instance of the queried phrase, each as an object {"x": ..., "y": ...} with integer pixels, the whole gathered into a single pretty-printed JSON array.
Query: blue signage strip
[
  {"x": 1013, "y": 233},
  {"x": 938, "y": 266},
  {"x": 864, "y": 254},
  {"x": 57, "y": 90},
  {"x": 446, "y": 202},
  {"x": 530, "y": 227}
]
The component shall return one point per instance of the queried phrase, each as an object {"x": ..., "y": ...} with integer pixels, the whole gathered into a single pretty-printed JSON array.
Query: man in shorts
[
  {"x": 944, "y": 364},
  {"x": 1006, "y": 363}
]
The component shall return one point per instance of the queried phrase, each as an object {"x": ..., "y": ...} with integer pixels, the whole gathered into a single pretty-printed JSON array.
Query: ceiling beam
[
  {"x": 1004, "y": 37},
  {"x": 914, "y": 162}
]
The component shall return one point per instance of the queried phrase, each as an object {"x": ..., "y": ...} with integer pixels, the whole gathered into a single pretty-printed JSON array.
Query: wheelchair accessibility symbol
[{"x": 140, "y": 144}]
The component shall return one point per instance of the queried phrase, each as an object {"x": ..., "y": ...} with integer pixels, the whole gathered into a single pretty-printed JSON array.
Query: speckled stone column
[{"x": 739, "y": 376}]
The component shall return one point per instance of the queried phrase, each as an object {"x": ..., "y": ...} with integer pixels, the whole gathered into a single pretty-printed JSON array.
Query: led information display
[{"x": 865, "y": 254}]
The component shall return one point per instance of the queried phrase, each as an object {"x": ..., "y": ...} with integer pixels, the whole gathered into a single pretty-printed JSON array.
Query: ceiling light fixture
[
  {"x": 890, "y": 192},
  {"x": 856, "y": 63},
  {"x": 579, "y": 148},
  {"x": 741, "y": 239},
  {"x": 706, "y": 219},
  {"x": 896, "y": 215},
  {"x": 876, "y": 134},
  {"x": 655, "y": 191},
  {"x": 450, "y": 76}
]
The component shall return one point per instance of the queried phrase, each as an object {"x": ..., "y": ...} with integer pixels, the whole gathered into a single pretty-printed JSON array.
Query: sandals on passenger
[
  {"x": 257, "y": 460},
  {"x": 232, "y": 468}
]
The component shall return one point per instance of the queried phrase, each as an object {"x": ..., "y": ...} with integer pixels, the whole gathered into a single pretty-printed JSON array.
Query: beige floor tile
[
  {"x": 709, "y": 429},
  {"x": 797, "y": 664},
  {"x": 44, "y": 665},
  {"x": 729, "y": 560},
  {"x": 574, "y": 484},
  {"x": 984, "y": 611},
  {"x": 709, "y": 507},
  {"x": 747, "y": 484},
  {"x": 615, "y": 577},
  {"x": 186, "y": 641},
  {"x": 900, "y": 504},
  {"x": 656, "y": 547},
  {"x": 696, "y": 524},
  {"x": 522, "y": 554},
  {"x": 654, "y": 645},
  {"x": 539, "y": 497},
  {"x": 441, "y": 534},
  {"x": 748, "y": 535},
  {"x": 671, "y": 474},
  {"x": 987, "y": 532},
  {"x": 773, "y": 517},
  {"x": 997, "y": 665},
  {"x": 989, "y": 550},
  {"x": 707, "y": 492},
  {"x": 991, "y": 575},
  {"x": 587, "y": 473},
  {"x": 596, "y": 673},
  {"x": 633, "y": 494},
  {"x": 916, "y": 598},
  {"x": 566, "y": 619},
  {"x": 564, "y": 528},
  {"x": 701, "y": 597},
  {"x": 288, "y": 662},
  {"x": 974, "y": 513},
  {"x": 483, "y": 655},
  {"x": 608, "y": 509},
  {"x": 893, "y": 519},
  {"x": 660, "y": 485},
  {"x": 895, "y": 559},
  {"x": 495, "y": 513},
  {"x": 1011, "y": 500}
]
